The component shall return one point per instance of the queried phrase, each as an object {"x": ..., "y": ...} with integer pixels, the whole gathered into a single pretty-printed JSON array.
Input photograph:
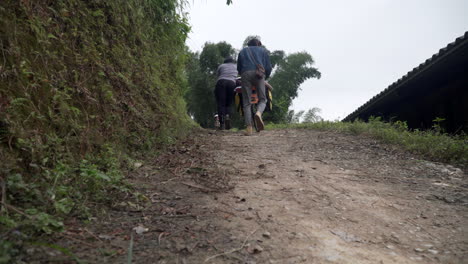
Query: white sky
[{"x": 360, "y": 46}]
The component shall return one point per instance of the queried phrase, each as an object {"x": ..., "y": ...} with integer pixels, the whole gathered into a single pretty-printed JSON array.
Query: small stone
[
  {"x": 254, "y": 249},
  {"x": 105, "y": 237},
  {"x": 419, "y": 250},
  {"x": 53, "y": 253},
  {"x": 266, "y": 234},
  {"x": 390, "y": 246},
  {"x": 180, "y": 246},
  {"x": 433, "y": 251},
  {"x": 140, "y": 229}
]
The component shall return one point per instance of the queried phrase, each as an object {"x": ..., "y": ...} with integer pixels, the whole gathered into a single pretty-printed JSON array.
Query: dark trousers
[{"x": 224, "y": 93}]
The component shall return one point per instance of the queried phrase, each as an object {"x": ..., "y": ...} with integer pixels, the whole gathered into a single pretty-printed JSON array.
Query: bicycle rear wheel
[{"x": 253, "y": 109}]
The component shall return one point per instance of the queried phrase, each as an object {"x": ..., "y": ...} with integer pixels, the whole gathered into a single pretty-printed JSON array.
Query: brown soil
[{"x": 284, "y": 196}]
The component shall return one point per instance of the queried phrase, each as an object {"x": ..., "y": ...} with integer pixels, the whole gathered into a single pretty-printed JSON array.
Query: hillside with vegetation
[{"x": 85, "y": 88}]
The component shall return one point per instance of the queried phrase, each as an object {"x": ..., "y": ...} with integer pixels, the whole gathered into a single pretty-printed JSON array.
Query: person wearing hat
[{"x": 224, "y": 90}]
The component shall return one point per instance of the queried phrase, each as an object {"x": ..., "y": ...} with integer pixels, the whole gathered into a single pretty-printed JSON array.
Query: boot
[
  {"x": 248, "y": 130},
  {"x": 259, "y": 121},
  {"x": 221, "y": 122},
  {"x": 227, "y": 122}
]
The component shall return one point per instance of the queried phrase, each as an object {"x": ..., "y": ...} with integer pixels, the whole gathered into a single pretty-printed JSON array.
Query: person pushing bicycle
[
  {"x": 224, "y": 91},
  {"x": 254, "y": 66}
]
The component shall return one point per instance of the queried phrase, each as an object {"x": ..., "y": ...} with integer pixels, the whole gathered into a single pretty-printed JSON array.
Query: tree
[
  {"x": 294, "y": 118},
  {"x": 276, "y": 56},
  {"x": 312, "y": 115},
  {"x": 201, "y": 74},
  {"x": 213, "y": 55},
  {"x": 290, "y": 73},
  {"x": 248, "y": 38}
]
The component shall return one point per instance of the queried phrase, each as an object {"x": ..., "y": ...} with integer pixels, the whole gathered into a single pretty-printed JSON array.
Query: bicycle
[{"x": 254, "y": 101}]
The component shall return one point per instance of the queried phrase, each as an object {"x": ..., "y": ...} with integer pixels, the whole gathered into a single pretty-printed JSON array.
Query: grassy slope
[{"x": 82, "y": 84}]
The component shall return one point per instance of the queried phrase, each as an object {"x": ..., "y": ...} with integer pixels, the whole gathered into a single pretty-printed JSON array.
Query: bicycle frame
[
  {"x": 253, "y": 97},
  {"x": 253, "y": 103}
]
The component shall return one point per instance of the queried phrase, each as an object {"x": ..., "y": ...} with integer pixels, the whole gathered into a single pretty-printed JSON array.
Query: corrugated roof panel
[{"x": 411, "y": 73}]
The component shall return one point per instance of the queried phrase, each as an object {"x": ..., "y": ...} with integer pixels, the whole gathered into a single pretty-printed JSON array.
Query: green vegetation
[
  {"x": 201, "y": 70},
  {"x": 432, "y": 144},
  {"x": 311, "y": 116},
  {"x": 82, "y": 85},
  {"x": 290, "y": 71}
]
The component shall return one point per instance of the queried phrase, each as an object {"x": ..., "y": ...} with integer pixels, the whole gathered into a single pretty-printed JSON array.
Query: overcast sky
[{"x": 360, "y": 46}]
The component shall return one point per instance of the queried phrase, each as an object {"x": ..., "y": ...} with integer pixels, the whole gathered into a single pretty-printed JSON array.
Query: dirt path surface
[{"x": 286, "y": 196}]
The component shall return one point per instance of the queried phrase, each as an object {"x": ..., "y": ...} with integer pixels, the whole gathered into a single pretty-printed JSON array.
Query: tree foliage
[
  {"x": 213, "y": 55},
  {"x": 201, "y": 71},
  {"x": 248, "y": 38},
  {"x": 312, "y": 115},
  {"x": 290, "y": 72},
  {"x": 276, "y": 57},
  {"x": 293, "y": 117}
]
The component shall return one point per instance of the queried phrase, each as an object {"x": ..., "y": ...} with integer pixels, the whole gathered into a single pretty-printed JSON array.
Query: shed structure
[{"x": 437, "y": 88}]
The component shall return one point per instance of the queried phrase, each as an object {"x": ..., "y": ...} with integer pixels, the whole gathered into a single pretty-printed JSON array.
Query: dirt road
[{"x": 288, "y": 196}]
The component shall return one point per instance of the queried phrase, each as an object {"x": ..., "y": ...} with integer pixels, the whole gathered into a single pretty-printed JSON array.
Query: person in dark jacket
[
  {"x": 224, "y": 91},
  {"x": 247, "y": 62}
]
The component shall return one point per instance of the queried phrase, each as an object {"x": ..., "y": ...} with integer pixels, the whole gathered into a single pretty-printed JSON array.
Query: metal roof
[{"x": 449, "y": 49}]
